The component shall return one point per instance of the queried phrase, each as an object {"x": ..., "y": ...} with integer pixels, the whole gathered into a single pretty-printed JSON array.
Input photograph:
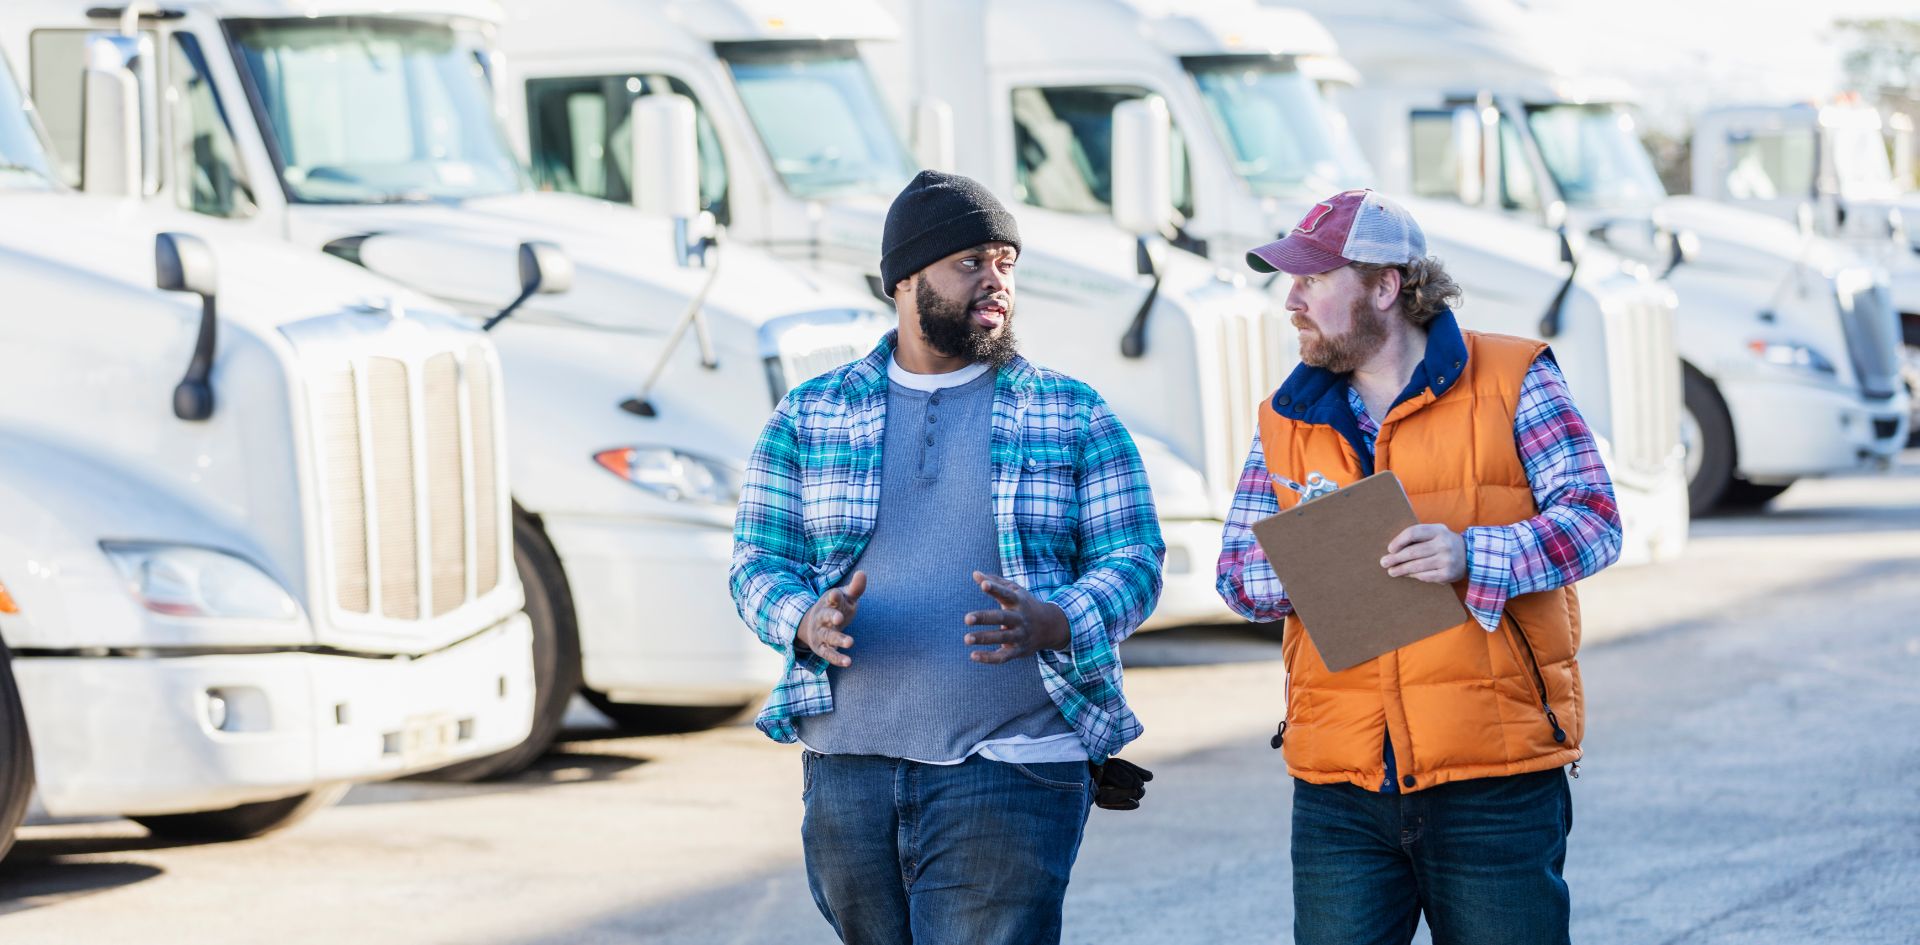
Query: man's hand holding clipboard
[{"x": 1336, "y": 554}]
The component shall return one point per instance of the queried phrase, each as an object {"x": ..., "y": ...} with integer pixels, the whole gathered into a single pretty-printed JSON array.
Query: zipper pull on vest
[{"x": 1279, "y": 736}]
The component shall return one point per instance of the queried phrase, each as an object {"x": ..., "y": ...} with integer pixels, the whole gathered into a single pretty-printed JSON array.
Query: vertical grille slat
[
  {"x": 446, "y": 483},
  {"x": 339, "y": 427},
  {"x": 1248, "y": 366},
  {"x": 1645, "y": 376},
  {"x": 487, "y": 499},
  {"x": 393, "y": 483}
]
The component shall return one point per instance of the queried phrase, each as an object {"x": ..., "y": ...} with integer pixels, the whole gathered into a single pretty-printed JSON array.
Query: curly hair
[{"x": 1425, "y": 287}]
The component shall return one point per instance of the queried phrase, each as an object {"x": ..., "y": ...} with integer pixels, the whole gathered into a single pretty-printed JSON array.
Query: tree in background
[{"x": 1884, "y": 64}]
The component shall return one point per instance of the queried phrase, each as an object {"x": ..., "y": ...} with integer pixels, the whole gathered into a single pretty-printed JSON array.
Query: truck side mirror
[
  {"x": 933, "y": 134},
  {"x": 110, "y": 143},
  {"x": 544, "y": 270},
  {"x": 1143, "y": 166},
  {"x": 184, "y": 263},
  {"x": 1469, "y": 180},
  {"x": 666, "y": 155}
]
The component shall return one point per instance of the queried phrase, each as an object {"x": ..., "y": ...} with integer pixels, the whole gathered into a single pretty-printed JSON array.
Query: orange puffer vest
[{"x": 1464, "y": 703}]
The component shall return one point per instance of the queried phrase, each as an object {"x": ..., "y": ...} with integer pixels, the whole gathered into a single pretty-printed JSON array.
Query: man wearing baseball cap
[
  {"x": 1427, "y": 781},
  {"x": 947, "y": 544}
]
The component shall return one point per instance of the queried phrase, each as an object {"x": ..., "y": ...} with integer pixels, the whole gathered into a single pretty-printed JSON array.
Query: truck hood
[
  {"x": 625, "y": 274},
  {"x": 262, "y": 284},
  {"x": 1735, "y": 239}
]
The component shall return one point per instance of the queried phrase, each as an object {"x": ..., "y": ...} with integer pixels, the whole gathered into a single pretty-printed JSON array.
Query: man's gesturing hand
[
  {"x": 1026, "y": 623},
  {"x": 1431, "y": 553},
  {"x": 820, "y": 630}
]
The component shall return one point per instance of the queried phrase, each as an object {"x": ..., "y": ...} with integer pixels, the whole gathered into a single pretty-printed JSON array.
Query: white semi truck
[
  {"x": 797, "y": 153},
  {"x": 1254, "y": 146},
  {"x": 1791, "y": 355},
  {"x": 255, "y": 543},
  {"x": 1837, "y": 168},
  {"x": 369, "y": 130}
]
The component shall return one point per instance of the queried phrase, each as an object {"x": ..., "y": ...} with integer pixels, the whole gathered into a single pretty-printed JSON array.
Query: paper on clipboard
[{"x": 1327, "y": 554}]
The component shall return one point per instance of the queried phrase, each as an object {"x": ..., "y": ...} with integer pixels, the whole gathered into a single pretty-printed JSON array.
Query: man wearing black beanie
[{"x": 984, "y": 529}]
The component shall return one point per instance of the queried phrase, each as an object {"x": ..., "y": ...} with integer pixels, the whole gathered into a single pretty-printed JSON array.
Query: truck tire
[
  {"x": 556, "y": 657},
  {"x": 643, "y": 719},
  {"x": 1707, "y": 433},
  {"x": 242, "y": 822},
  {"x": 16, "y": 755}
]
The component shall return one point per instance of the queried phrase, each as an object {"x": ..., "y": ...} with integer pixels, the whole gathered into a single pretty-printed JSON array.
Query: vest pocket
[
  {"x": 1524, "y": 650},
  {"x": 1286, "y": 711}
]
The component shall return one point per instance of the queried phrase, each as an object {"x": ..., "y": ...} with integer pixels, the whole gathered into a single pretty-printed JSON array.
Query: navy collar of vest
[{"x": 1317, "y": 395}]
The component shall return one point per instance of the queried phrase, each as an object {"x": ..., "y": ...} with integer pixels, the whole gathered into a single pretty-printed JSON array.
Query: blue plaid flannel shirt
[{"x": 1071, "y": 505}]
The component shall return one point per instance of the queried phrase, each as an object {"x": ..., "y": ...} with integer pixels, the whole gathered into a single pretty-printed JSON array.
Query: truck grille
[
  {"x": 409, "y": 465},
  {"x": 1253, "y": 360},
  {"x": 1644, "y": 369},
  {"x": 1873, "y": 338},
  {"x": 798, "y": 364}
]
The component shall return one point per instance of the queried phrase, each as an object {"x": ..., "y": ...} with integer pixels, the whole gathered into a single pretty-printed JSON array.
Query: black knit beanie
[{"x": 936, "y": 216}]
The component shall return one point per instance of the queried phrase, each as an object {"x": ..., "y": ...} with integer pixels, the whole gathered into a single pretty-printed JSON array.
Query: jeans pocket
[
  {"x": 1058, "y": 775},
  {"x": 806, "y": 772}
]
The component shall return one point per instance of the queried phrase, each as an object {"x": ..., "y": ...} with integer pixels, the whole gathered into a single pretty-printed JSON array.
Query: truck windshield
[
  {"x": 23, "y": 159},
  {"x": 1283, "y": 138},
  {"x": 1595, "y": 155},
  {"x": 820, "y": 117},
  {"x": 375, "y": 109}
]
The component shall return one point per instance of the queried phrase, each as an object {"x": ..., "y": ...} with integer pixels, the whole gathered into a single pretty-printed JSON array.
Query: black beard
[{"x": 948, "y": 329}]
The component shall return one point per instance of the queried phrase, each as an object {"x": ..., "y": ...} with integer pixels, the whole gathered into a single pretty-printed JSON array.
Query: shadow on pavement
[
  {"x": 560, "y": 765},
  {"x": 33, "y": 877}
]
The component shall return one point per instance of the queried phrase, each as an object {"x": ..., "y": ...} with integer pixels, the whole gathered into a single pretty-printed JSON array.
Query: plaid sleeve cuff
[
  {"x": 1085, "y": 628},
  {"x": 785, "y": 621},
  {"x": 1490, "y": 553}
]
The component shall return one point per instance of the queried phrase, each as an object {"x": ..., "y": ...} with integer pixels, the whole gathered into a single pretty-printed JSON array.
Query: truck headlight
[
  {"x": 185, "y": 581},
  {"x": 1792, "y": 354},
  {"x": 673, "y": 475}
]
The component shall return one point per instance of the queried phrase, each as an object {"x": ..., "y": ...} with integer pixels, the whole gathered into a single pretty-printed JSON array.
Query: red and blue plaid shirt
[{"x": 1576, "y": 533}]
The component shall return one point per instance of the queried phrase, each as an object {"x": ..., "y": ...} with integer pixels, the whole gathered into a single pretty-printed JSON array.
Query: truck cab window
[
  {"x": 1766, "y": 165},
  {"x": 579, "y": 135},
  {"x": 1436, "y": 162},
  {"x": 1063, "y": 149},
  {"x": 212, "y": 179},
  {"x": 1518, "y": 188}
]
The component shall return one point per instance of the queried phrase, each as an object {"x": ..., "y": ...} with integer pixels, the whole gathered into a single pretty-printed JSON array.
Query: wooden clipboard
[{"x": 1327, "y": 554}]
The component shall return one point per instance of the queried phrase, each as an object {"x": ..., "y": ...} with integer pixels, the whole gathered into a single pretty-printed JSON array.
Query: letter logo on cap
[{"x": 1313, "y": 217}]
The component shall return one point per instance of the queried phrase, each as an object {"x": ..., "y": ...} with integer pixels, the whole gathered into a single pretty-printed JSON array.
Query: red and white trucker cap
[{"x": 1349, "y": 227}]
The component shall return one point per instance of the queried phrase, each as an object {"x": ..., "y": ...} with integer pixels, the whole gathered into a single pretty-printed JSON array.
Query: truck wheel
[
  {"x": 641, "y": 719},
  {"x": 1707, "y": 433},
  {"x": 16, "y": 755},
  {"x": 556, "y": 657},
  {"x": 244, "y": 821}
]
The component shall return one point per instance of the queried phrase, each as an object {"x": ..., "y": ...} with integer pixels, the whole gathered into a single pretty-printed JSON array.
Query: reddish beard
[{"x": 1344, "y": 353}]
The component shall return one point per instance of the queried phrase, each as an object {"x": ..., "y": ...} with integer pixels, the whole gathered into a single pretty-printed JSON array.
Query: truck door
[
  {"x": 1063, "y": 148},
  {"x": 578, "y": 136}
]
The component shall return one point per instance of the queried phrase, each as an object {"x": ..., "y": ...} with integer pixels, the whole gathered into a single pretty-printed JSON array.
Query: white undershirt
[
  {"x": 1017, "y": 749},
  {"x": 933, "y": 382}
]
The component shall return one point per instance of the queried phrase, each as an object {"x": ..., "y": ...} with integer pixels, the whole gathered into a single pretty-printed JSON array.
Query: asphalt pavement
[{"x": 1752, "y": 775}]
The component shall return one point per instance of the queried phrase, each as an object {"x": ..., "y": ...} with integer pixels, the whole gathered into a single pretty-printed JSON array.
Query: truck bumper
[
  {"x": 656, "y": 618},
  {"x": 1788, "y": 430},
  {"x": 138, "y": 735},
  {"x": 1187, "y": 594}
]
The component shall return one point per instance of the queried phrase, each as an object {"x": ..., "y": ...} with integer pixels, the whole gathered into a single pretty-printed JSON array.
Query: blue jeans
[
  {"x": 1480, "y": 858},
  {"x": 971, "y": 854}
]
